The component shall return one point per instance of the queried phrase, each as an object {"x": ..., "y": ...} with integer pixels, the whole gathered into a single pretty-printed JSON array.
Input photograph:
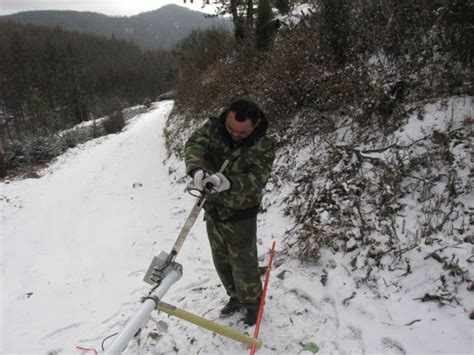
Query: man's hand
[
  {"x": 198, "y": 179},
  {"x": 218, "y": 181}
]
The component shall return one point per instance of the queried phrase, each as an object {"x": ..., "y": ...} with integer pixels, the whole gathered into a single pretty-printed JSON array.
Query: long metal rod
[
  {"x": 143, "y": 314},
  {"x": 210, "y": 325},
  {"x": 191, "y": 219},
  {"x": 187, "y": 226}
]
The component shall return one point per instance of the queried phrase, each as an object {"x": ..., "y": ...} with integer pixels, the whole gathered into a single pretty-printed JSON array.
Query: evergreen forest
[{"x": 53, "y": 79}]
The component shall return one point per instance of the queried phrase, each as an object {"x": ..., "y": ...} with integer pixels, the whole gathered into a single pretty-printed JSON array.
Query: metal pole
[
  {"x": 192, "y": 218},
  {"x": 174, "y": 274},
  {"x": 188, "y": 225},
  {"x": 143, "y": 315}
]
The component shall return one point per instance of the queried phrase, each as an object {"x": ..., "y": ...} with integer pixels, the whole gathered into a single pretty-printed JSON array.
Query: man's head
[{"x": 242, "y": 117}]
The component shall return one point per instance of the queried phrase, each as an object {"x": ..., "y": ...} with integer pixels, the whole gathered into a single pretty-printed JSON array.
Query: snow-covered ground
[{"x": 75, "y": 245}]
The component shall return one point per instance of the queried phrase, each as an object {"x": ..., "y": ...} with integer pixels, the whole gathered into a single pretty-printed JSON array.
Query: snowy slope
[{"x": 76, "y": 242}]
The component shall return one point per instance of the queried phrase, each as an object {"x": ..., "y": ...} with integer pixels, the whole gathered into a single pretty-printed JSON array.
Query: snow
[
  {"x": 75, "y": 245},
  {"x": 438, "y": 116},
  {"x": 297, "y": 13}
]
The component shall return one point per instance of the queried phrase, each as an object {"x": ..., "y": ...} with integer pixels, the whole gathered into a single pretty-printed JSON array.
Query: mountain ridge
[{"x": 157, "y": 29}]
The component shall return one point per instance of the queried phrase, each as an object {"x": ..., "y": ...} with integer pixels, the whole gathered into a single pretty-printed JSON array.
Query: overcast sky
[{"x": 107, "y": 7}]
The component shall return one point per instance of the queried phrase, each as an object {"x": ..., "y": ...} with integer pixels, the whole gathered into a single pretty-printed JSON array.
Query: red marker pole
[{"x": 253, "y": 348}]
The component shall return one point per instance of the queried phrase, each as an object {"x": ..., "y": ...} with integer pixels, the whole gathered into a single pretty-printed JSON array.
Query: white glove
[
  {"x": 218, "y": 181},
  {"x": 198, "y": 177}
]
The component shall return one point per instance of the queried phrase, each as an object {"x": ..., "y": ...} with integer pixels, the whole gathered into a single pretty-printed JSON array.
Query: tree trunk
[
  {"x": 249, "y": 13},
  {"x": 3, "y": 168}
]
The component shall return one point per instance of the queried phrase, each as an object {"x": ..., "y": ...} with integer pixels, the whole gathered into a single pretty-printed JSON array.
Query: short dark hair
[{"x": 245, "y": 109}]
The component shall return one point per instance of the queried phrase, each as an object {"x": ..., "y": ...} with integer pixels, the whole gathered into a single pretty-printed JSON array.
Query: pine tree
[
  {"x": 264, "y": 27},
  {"x": 335, "y": 27}
]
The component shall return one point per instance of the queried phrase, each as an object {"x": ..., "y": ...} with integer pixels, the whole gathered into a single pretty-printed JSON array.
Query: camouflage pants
[{"x": 234, "y": 252}]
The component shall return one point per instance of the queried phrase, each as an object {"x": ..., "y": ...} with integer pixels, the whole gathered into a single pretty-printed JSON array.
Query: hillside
[
  {"x": 162, "y": 28},
  {"x": 371, "y": 107},
  {"x": 53, "y": 79},
  {"x": 88, "y": 228}
]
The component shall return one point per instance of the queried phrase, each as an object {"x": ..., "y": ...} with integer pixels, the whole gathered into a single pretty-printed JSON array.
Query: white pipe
[{"x": 143, "y": 315}]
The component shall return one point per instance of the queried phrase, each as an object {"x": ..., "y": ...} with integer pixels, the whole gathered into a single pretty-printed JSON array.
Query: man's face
[{"x": 239, "y": 130}]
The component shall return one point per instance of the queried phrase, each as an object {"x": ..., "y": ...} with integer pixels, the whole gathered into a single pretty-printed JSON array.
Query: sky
[{"x": 107, "y": 7}]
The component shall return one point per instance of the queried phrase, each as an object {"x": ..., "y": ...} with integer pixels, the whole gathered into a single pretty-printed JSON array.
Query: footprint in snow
[
  {"x": 354, "y": 336},
  {"x": 328, "y": 303},
  {"x": 392, "y": 346}
]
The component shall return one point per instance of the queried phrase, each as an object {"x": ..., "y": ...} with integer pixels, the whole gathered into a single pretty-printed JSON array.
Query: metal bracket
[{"x": 160, "y": 266}]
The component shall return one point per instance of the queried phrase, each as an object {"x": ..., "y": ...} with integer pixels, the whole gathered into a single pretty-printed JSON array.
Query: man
[{"x": 239, "y": 136}]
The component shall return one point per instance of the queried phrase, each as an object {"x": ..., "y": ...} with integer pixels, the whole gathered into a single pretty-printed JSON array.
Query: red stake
[{"x": 253, "y": 348}]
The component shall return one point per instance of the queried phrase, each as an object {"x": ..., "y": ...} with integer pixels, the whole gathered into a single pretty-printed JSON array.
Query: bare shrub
[
  {"x": 339, "y": 100},
  {"x": 197, "y": 54},
  {"x": 114, "y": 123}
]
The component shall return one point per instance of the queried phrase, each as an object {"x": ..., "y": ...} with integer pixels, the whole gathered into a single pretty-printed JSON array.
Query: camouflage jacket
[{"x": 249, "y": 168}]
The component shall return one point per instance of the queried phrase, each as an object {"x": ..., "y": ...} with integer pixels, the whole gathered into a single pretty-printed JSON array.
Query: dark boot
[
  {"x": 231, "y": 307},
  {"x": 251, "y": 317}
]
